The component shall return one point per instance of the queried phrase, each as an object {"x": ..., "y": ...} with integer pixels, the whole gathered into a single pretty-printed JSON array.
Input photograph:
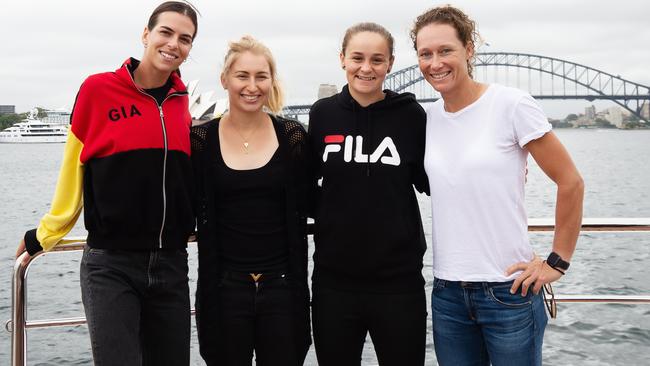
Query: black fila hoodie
[{"x": 368, "y": 232}]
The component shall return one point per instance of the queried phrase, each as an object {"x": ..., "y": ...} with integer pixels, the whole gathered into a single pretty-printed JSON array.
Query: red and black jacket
[{"x": 129, "y": 158}]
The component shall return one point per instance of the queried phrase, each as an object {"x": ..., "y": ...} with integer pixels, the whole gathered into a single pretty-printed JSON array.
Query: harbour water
[{"x": 615, "y": 168}]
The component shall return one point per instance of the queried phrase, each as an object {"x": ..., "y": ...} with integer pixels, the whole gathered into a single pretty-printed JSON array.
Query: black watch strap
[{"x": 555, "y": 261}]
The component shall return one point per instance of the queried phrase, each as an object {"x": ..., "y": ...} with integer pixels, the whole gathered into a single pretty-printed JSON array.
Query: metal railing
[{"x": 18, "y": 325}]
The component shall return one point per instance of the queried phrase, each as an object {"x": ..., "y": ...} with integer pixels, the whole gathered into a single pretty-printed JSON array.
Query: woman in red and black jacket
[{"x": 127, "y": 163}]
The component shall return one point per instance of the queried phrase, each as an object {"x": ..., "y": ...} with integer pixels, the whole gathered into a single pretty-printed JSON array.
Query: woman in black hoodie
[{"x": 368, "y": 147}]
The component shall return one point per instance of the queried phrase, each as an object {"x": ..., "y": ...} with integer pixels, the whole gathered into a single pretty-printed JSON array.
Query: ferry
[{"x": 52, "y": 129}]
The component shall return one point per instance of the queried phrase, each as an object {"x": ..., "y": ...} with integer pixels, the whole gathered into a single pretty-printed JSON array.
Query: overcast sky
[{"x": 49, "y": 47}]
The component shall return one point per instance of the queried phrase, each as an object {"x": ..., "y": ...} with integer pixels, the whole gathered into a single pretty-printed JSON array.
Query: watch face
[{"x": 554, "y": 260}]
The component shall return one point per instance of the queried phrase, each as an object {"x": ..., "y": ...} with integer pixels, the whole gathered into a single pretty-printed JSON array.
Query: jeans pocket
[
  {"x": 96, "y": 258},
  {"x": 174, "y": 259},
  {"x": 97, "y": 251},
  {"x": 502, "y": 296},
  {"x": 437, "y": 285}
]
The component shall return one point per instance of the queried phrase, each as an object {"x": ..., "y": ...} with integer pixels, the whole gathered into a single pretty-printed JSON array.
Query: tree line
[{"x": 7, "y": 120}]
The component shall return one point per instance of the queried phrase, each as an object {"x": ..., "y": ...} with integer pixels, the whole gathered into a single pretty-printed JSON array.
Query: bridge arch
[{"x": 598, "y": 84}]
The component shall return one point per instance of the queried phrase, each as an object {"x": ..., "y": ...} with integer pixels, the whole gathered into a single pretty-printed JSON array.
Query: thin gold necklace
[{"x": 245, "y": 140}]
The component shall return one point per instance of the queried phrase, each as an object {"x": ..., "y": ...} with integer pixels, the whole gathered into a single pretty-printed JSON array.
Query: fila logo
[{"x": 386, "y": 152}]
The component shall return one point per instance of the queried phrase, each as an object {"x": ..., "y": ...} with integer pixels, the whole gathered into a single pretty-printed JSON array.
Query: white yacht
[{"x": 33, "y": 130}]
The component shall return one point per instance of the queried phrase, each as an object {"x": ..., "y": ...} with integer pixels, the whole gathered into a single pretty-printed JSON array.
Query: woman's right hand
[
  {"x": 534, "y": 275},
  {"x": 22, "y": 249}
]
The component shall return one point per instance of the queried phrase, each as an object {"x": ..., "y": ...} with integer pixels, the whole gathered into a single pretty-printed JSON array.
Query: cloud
[{"x": 50, "y": 47}]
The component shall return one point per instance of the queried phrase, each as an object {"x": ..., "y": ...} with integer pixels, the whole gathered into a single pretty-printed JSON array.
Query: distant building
[
  {"x": 615, "y": 116},
  {"x": 7, "y": 109},
  {"x": 60, "y": 116},
  {"x": 624, "y": 112},
  {"x": 590, "y": 112},
  {"x": 583, "y": 121},
  {"x": 326, "y": 90},
  {"x": 645, "y": 111}
]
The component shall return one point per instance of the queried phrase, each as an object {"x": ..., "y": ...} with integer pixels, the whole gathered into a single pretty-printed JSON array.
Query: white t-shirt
[{"x": 476, "y": 163}]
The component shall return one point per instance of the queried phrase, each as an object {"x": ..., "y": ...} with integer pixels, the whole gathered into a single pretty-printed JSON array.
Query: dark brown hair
[
  {"x": 368, "y": 27},
  {"x": 447, "y": 14},
  {"x": 183, "y": 8}
]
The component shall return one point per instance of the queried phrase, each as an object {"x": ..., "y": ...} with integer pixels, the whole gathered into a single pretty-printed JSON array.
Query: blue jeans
[
  {"x": 137, "y": 306},
  {"x": 482, "y": 323}
]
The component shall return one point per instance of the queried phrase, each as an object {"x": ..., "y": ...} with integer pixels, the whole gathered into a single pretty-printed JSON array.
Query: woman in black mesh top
[{"x": 252, "y": 181}]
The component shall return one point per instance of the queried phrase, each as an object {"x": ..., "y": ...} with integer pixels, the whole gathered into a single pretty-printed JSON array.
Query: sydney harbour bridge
[{"x": 543, "y": 77}]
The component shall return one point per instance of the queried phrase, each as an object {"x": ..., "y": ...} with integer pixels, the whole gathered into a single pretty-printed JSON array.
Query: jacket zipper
[{"x": 164, "y": 175}]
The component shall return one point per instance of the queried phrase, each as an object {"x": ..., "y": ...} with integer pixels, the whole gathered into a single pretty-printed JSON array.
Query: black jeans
[
  {"x": 256, "y": 318},
  {"x": 396, "y": 323},
  {"x": 137, "y": 306}
]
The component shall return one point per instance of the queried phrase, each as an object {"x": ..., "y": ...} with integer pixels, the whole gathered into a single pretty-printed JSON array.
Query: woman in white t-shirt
[{"x": 486, "y": 302}]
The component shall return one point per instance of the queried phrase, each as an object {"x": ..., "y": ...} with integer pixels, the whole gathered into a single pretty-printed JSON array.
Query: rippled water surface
[{"x": 614, "y": 164}]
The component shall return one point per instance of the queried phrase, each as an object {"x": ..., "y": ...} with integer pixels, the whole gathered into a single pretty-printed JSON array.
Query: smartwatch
[{"x": 556, "y": 262}]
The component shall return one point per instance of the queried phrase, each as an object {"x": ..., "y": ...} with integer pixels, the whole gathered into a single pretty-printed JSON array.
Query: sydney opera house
[{"x": 204, "y": 106}]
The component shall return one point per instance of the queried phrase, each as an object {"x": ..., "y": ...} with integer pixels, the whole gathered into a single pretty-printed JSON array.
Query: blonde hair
[{"x": 250, "y": 44}]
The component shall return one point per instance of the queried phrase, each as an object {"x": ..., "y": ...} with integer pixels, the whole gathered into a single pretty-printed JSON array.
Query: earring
[
  {"x": 343, "y": 67},
  {"x": 145, "y": 45}
]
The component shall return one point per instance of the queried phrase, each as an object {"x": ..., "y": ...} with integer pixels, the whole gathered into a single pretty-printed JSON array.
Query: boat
[{"x": 52, "y": 129}]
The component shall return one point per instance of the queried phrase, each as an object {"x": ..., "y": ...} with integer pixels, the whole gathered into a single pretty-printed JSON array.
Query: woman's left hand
[{"x": 535, "y": 273}]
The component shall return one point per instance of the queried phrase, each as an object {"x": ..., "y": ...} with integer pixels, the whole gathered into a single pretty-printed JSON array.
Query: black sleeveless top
[
  {"x": 251, "y": 221},
  {"x": 295, "y": 155}
]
